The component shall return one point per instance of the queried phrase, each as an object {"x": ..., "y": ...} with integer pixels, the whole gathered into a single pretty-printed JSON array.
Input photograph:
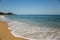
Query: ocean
[
  {"x": 34, "y": 27},
  {"x": 40, "y": 20}
]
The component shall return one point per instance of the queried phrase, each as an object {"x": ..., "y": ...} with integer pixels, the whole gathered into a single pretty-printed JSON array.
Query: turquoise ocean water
[
  {"x": 34, "y": 27},
  {"x": 39, "y": 20}
]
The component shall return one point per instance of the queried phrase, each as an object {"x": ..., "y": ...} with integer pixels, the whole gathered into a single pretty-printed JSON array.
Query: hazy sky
[{"x": 30, "y": 6}]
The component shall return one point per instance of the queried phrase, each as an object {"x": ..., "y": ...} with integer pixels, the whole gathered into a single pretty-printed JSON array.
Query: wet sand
[{"x": 5, "y": 33}]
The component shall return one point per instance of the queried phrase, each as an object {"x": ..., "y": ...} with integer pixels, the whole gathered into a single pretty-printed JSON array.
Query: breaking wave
[{"x": 31, "y": 32}]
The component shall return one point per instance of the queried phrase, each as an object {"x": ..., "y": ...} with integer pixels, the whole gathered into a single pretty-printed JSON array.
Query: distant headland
[{"x": 9, "y": 13}]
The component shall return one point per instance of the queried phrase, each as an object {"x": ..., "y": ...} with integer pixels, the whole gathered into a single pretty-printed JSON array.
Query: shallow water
[
  {"x": 39, "y": 20},
  {"x": 37, "y": 27}
]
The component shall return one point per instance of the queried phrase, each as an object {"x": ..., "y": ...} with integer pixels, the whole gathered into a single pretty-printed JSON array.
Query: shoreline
[
  {"x": 12, "y": 32},
  {"x": 15, "y": 34},
  {"x": 23, "y": 31},
  {"x": 5, "y": 33},
  {"x": 2, "y": 19}
]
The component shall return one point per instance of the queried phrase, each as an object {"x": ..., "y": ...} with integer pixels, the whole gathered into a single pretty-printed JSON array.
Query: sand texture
[{"x": 5, "y": 34}]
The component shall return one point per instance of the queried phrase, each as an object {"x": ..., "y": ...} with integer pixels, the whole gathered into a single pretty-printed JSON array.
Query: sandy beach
[
  {"x": 18, "y": 30},
  {"x": 5, "y": 34}
]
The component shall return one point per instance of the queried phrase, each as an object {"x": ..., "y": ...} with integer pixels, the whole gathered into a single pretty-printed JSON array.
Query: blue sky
[{"x": 30, "y": 6}]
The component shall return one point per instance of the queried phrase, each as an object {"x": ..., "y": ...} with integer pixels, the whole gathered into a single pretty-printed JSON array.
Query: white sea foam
[
  {"x": 2, "y": 17},
  {"x": 33, "y": 32}
]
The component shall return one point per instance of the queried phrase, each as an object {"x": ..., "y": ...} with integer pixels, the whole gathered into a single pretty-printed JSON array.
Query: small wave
[
  {"x": 32, "y": 32},
  {"x": 4, "y": 18}
]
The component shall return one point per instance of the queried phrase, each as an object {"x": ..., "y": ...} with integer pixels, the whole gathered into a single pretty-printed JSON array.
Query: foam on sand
[
  {"x": 3, "y": 18},
  {"x": 33, "y": 32}
]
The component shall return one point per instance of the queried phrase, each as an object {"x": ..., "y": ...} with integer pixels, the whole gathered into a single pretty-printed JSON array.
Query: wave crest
[{"x": 31, "y": 32}]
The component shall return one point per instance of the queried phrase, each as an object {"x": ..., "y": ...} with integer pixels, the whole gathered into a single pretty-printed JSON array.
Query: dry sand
[{"x": 5, "y": 33}]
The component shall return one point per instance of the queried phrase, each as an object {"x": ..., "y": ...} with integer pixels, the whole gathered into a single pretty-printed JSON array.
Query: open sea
[{"x": 34, "y": 27}]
